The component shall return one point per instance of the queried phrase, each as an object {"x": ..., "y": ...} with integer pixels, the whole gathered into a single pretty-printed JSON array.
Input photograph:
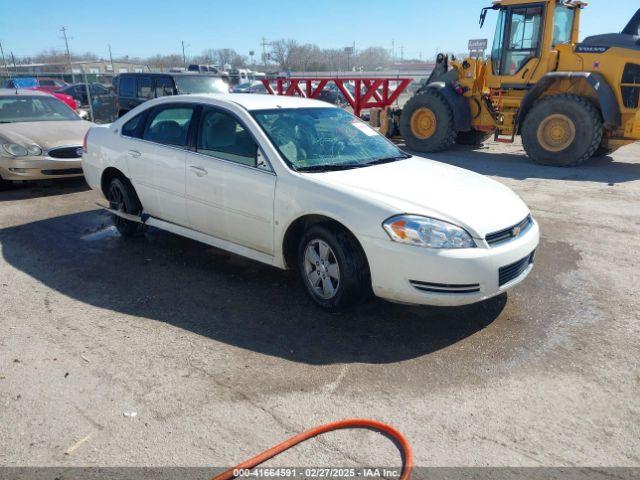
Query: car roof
[
  {"x": 251, "y": 101},
  {"x": 23, "y": 92}
]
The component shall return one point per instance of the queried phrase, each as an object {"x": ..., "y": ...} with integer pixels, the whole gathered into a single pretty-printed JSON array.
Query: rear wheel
[
  {"x": 427, "y": 122},
  {"x": 333, "y": 268},
  {"x": 562, "y": 130},
  {"x": 122, "y": 197},
  {"x": 472, "y": 138}
]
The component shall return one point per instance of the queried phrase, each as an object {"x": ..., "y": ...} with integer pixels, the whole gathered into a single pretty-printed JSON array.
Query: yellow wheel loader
[{"x": 568, "y": 100}]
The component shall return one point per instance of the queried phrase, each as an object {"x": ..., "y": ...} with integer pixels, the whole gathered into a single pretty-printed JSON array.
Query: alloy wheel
[{"x": 322, "y": 269}]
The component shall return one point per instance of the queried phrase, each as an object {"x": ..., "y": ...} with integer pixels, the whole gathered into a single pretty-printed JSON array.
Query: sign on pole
[{"x": 477, "y": 47}]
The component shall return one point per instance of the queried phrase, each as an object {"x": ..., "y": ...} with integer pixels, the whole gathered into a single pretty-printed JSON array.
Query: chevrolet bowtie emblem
[{"x": 516, "y": 231}]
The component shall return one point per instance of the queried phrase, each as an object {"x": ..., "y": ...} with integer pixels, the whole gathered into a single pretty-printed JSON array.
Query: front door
[{"x": 228, "y": 195}]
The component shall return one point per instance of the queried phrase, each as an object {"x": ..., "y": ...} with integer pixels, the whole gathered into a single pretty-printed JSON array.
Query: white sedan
[{"x": 295, "y": 183}]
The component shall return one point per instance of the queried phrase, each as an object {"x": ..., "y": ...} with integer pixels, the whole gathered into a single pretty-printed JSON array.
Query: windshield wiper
[
  {"x": 328, "y": 168},
  {"x": 380, "y": 161}
]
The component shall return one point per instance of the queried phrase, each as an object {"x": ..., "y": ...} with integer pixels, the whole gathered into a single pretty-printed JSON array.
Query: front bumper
[
  {"x": 39, "y": 168},
  {"x": 414, "y": 275}
]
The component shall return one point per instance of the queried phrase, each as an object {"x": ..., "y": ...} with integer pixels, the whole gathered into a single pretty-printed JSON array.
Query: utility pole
[
  {"x": 264, "y": 44},
  {"x": 113, "y": 70},
  {"x": 66, "y": 45},
  {"x": 184, "y": 57},
  {"x": 393, "y": 49},
  {"x": 401, "y": 52},
  {"x": 4, "y": 60},
  {"x": 13, "y": 60}
]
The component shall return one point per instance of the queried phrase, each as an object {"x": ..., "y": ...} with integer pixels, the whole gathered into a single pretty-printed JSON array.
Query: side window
[
  {"x": 47, "y": 83},
  {"x": 132, "y": 127},
  {"x": 145, "y": 87},
  {"x": 498, "y": 38},
  {"x": 562, "y": 24},
  {"x": 164, "y": 87},
  {"x": 169, "y": 125},
  {"x": 221, "y": 135},
  {"x": 127, "y": 87},
  {"x": 523, "y": 38}
]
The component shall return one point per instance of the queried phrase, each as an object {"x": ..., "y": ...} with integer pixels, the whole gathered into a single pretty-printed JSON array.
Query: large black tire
[
  {"x": 582, "y": 115},
  {"x": 472, "y": 138},
  {"x": 439, "y": 138},
  {"x": 122, "y": 196},
  {"x": 604, "y": 151},
  {"x": 354, "y": 280}
]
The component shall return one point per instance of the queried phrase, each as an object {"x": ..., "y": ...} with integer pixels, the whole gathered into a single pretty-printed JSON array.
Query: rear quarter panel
[{"x": 103, "y": 151}]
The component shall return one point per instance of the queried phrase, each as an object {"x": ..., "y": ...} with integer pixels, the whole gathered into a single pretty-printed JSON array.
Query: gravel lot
[{"x": 221, "y": 357}]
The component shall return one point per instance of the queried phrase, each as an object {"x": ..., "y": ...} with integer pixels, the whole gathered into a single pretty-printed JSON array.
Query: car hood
[
  {"x": 45, "y": 134},
  {"x": 425, "y": 187}
]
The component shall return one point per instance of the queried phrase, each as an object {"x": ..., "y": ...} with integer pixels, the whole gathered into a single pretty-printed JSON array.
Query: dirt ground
[{"x": 220, "y": 357}]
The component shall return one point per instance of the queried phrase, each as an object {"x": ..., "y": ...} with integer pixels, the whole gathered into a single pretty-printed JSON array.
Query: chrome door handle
[
  {"x": 134, "y": 153},
  {"x": 201, "y": 172}
]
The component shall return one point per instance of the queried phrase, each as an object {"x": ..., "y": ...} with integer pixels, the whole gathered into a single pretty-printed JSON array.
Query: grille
[
  {"x": 509, "y": 233},
  {"x": 63, "y": 171},
  {"x": 509, "y": 272},
  {"x": 445, "y": 288},
  {"x": 66, "y": 152}
]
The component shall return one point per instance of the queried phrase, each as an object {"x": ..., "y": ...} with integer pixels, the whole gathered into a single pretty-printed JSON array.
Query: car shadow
[
  {"x": 225, "y": 297},
  {"x": 519, "y": 167},
  {"x": 43, "y": 188}
]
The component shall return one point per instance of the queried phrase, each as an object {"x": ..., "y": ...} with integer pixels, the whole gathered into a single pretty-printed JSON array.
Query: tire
[
  {"x": 5, "y": 184},
  {"x": 353, "y": 283},
  {"x": 427, "y": 123},
  {"x": 579, "y": 128},
  {"x": 604, "y": 151},
  {"x": 473, "y": 138},
  {"x": 122, "y": 196}
]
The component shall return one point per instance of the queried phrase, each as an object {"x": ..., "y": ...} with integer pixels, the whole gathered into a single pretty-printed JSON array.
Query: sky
[{"x": 143, "y": 28}]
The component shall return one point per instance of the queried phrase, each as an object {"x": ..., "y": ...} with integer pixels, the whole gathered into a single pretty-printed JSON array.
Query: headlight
[
  {"x": 427, "y": 232},
  {"x": 34, "y": 150},
  {"x": 15, "y": 150}
]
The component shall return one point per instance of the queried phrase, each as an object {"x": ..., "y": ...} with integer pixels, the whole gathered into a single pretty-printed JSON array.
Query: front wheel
[
  {"x": 562, "y": 130},
  {"x": 333, "y": 268},
  {"x": 427, "y": 122}
]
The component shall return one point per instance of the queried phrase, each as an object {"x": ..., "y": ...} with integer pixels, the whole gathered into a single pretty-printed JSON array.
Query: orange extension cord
[{"x": 403, "y": 445}]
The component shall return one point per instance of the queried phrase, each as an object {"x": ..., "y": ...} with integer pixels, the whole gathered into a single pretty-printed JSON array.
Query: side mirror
[{"x": 83, "y": 114}]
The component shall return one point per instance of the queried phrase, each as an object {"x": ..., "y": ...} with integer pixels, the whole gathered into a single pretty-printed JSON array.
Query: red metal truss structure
[{"x": 368, "y": 92}]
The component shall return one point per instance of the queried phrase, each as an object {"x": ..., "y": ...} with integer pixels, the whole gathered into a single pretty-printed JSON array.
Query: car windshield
[
  {"x": 15, "y": 109},
  {"x": 200, "y": 84},
  {"x": 322, "y": 139}
]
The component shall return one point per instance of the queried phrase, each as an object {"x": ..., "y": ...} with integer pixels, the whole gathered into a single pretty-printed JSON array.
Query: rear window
[{"x": 127, "y": 87}]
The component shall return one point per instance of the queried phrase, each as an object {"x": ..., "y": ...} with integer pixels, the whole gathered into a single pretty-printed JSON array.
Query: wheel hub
[
  {"x": 556, "y": 133},
  {"x": 322, "y": 269},
  {"x": 423, "y": 123}
]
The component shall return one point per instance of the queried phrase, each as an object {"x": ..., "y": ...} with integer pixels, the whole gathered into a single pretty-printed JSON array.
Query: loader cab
[{"x": 525, "y": 37}]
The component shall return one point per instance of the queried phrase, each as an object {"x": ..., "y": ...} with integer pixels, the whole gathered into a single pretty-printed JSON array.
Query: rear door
[{"x": 157, "y": 159}]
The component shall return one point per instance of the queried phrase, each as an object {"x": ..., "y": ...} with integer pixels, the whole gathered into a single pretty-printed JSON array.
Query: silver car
[{"x": 40, "y": 137}]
